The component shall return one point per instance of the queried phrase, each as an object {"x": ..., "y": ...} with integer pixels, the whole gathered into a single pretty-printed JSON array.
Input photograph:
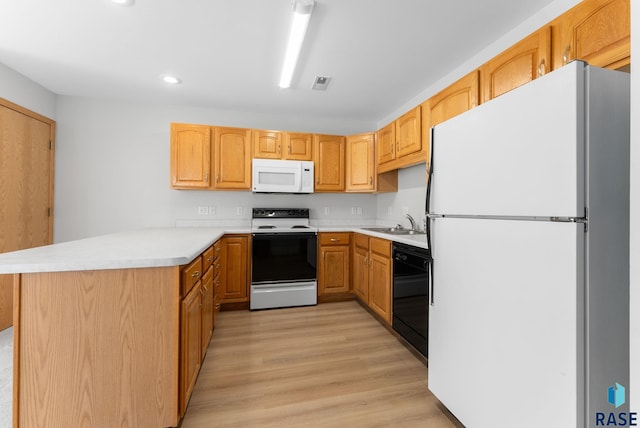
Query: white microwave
[{"x": 282, "y": 176}]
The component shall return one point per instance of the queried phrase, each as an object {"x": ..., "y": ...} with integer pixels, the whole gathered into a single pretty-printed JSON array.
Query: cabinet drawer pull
[
  {"x": 210, "y": 259},
  {"x": 195, "y": 274},
  {"x": 335, "y": 239}
]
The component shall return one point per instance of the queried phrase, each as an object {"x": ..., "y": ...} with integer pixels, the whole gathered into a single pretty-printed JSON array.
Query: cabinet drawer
[
  {"x": 380, "y": 246},
  {"x": 362, "y": 240},
  {"x": 190, "y": 275},
  {"x": 337, "y": 238},
  {"x": 207, "y": 258}
]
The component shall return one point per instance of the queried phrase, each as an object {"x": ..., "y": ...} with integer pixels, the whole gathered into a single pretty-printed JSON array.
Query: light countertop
[{"x": 143, "y": 248}]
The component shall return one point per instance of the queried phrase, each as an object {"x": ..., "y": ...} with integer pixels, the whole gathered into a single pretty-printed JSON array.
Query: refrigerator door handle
[
  {"x": 429, "y": 172},
  {"x": 429, "y": 232},
  {"x": 430, "y": 217}
]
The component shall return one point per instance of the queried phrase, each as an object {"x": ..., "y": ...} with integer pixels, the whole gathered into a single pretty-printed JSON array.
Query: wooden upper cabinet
[
  {"x": 457, "y": 98},
  {"x": 595, "y": 31},
  {"x": 409, "y": 133},
  {"x": 267, "y": 144},
  {"x": 399, "y": 144},
  {"x": 329, "y": 163},
  {"x": 523, "y": 62},
  {"x": 190, "y": 156},
  {"x": 386, "y": 143},
  {"x": 361, "y": 168},
  {"x": 232, "y": 158},
  {"x": 297, "y": 146},
  {"x": 282, "y": 145}
]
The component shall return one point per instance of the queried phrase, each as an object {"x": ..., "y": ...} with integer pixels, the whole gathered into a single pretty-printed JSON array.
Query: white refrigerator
[{"x": 529, "y": 232}]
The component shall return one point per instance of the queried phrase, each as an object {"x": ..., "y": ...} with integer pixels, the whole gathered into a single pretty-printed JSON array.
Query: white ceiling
[{"x": 379, "y": 53}]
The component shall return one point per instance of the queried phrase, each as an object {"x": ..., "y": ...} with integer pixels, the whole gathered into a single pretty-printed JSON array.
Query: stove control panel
[{"x": 280, "y": 213}]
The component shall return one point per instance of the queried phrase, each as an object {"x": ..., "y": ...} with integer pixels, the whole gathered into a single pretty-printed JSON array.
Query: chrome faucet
[{"x": 412, "y": 221}]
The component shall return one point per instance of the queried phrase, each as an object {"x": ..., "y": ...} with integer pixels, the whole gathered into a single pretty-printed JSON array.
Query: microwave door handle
[{"x": 299, "y": 178}]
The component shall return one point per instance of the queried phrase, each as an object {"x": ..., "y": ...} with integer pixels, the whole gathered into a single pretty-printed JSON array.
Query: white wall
[
  {"x": 20, "y": 90},
  {"x": 410, "y": 198},
  {"x": 635, "y": 213},
  {"x": 112, "y": 170}
]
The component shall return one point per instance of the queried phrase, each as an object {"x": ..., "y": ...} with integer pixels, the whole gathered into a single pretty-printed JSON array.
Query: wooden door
[
  {"x": 523, "y": 62},
  {"x": 190, "y": 156},
  {"x": 361, "y": 175},
  {"x": 333, "y": 275},
  {"x": 380, "y": 277},
  {"x": 207, "y": 309},
  {"x": 297, "y": 146},
  {"x": 232, "y": 158},
  {"x": 329, "y": 163},
  {"x": 409, "y": 133},
  {"x": 457, "y": 98},
  {"x": 386, "y": 144},
  {"x": 190, "y": 342},
  {"x": 235, "y": 267},
  {"x": 267, "y": 144},
  {"x": 361, "y": 268},
  {"x": 26, "y": 188},
  {"x": 595, "y": 31},
  {"x": 461, "y": 96}
]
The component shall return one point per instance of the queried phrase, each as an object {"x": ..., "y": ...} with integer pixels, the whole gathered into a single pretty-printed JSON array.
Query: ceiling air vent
[{"x": 320, "y": 83}]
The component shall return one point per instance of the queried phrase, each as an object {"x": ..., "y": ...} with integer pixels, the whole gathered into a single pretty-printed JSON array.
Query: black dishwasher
[{"x": 410, "y": 294}]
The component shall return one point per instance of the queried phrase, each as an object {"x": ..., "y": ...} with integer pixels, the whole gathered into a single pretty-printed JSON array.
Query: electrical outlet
[
  {"x": 389, "y": 211},
  {"x": 203, "y": 210},
  {"x": 359, "y": 211},
  {"x": 239, "y": 211},
  {"x": 354, "y": 210},
  {"x": 212, "y": 210},
  {"x": 326, "y": 210}
]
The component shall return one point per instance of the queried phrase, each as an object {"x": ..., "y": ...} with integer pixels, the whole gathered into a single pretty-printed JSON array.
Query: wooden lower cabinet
[
  {"x": 333, "y": 269},
  {"x": 236, "y": 268},
  {"x": 190, "y": 344},
  {"x": 380, "y": 277},
  {"x": 372, "y": 274},
  {"x": 207, "y": 291},
  {"x": 360, "y": 267}
]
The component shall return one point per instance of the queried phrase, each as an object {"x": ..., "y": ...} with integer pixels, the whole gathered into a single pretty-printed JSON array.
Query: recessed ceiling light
[
  {"x": 171, "y": 80},
  {"x": 123, "y": 2}
]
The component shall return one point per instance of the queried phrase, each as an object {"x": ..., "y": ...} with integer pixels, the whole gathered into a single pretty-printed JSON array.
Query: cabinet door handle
[
  {"x": 370, "y": 179},
  {"x": 289, "y": 149},
  {"x": 565, "y": 54},
  {"x": 217, "y": 178},
  {"x": 195, "y": 274},
  {"x": 541, "y": 68},
  {"x": 366, "y": 260},
  {"x": 318, "y": 180},
  {"x": 278, "y": 148},
  {"x": 206, "y": 176},
  {"x": 210, "y": 259}
]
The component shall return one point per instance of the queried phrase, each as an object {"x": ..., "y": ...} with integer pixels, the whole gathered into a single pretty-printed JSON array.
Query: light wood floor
[{"x": 331, "y": 365}]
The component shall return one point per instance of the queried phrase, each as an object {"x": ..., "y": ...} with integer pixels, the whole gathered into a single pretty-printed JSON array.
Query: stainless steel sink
[{"x": 394, "y": 230}]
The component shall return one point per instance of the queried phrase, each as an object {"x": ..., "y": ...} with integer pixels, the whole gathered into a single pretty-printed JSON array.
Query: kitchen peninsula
[{"x": 97, "y": 326}]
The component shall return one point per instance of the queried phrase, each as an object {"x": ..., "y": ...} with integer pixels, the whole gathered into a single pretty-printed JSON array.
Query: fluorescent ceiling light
[
  {"x": 301, "y": 14},
  {"x": 123, "y": 2}
]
